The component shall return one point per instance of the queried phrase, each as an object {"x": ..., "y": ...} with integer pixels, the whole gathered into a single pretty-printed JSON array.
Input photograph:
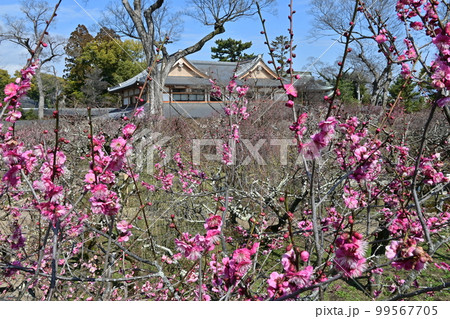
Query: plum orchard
[{"x": 362, "y": 206}]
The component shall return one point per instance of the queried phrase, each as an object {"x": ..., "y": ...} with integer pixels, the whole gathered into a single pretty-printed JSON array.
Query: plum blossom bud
[
  {"x": 304, "y": 255},
  {"x": 357, "y": 235}
]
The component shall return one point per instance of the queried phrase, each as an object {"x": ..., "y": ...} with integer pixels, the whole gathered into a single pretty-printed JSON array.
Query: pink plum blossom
[
  {"x": 139, "y": 113},
  {"x": 407, "y": 255},
  {"x": 381, "y": 38},
  {"x": 129, "y": 129},
  {"x": 290, "y": 90},
  {"x": 304, "y": 255},
  {"x": 350, "y": 253}
]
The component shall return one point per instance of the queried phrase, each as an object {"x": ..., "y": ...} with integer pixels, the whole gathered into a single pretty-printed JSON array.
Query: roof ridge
[{"x": 211, "y": 62}]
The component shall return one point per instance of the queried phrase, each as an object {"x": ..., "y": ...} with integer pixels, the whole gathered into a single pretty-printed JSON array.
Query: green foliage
[
  {"x": 281, "y": 52},
  {"x": 347, "y": 88},
  {"x": 352, "y": 91},
  {"x": 29, "y": 115},
  {"x": 74, "y": 72},
  {"x": 231, "y": 50},
  {"x": 410, "y": 97},
  {"x": 52, "y": 86},
  {"x": 104, "y": 58}
]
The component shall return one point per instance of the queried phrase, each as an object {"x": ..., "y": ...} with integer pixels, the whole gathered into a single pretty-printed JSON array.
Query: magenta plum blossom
[
  {"x": 442, "y": 265},
  {"x": 350, "y": 253},
  {"x": 124, "y": 227},
  {"x": 10, "y": 90},
  {"x": 333, "y": 219},
  {"x": 89, "y": 179},
  {"x": 128, "y": 130},
  {"x": 191, "y": 248},
  {"x": 290, "y": 103},
  {"x": 231, "y": 86},
  {"x": 215, "y": 89},
  {"x": 242, "y": 258},
  {"x": 242, "y": 90},
  {"x": 304, "y": 255},
  {"x": 118, "y": 144},
  {"x": 235, "y": 132},
  {"x": 306, "y": 226},
  {"x": 293, "y": 277},
  {"x": 139, "y": 113},
  {"x": 381, "y": 38},
  {"x": 407, "y": 255},
  {"x": 16, "y": 240},
  {"x": 278, "y": 286},
  {"x": 227, "y": 154},
  {"x": 213, "y": 223},
  {"x": 297, "y": 126},
  {"x": 320, "y": 140},
  {"x": 289, "y": 261},
  {"x": 104, "y": 201},
  {"x": 443, "y": 102},
  {"x": 78, "y": 217},
  {"x": 416, "y": 25},
  {"x": 290, "y": 90},
  {"x": 15, "y": 91},
  {"x": 13, "y": 116}
]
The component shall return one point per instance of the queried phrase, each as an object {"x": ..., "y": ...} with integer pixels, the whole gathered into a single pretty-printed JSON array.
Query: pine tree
[
  {"x": 410, "y": 97},
  {"x": 281, "y": 53},
  {"x": 75, "y": 71},
  {"x": 231, "y": 50}
]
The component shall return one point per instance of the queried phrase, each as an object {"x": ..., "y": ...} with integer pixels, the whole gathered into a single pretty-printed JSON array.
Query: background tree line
[{"x": 95, "y": 62}]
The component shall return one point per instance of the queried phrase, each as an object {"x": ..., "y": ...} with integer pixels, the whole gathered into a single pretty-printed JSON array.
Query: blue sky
[{"x": 74, "y": 12}]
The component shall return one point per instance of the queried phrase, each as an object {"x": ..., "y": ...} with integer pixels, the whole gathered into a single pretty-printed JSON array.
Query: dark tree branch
[{"x": 420, "y": 291}]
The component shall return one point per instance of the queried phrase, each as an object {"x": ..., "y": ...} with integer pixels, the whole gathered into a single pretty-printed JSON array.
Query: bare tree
[
  {"x": 155, "y": 27},
  {"x": 26, "y": 31},
  {"x": 365, "y": 49}
]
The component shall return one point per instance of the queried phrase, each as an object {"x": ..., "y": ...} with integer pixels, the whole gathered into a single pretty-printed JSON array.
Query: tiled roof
[
  {"x": 183, "y": 80},
  {"x": 130, "y": 82},
  {"x": 222, "y": 72},
  {"x": 192, "y": 110}
]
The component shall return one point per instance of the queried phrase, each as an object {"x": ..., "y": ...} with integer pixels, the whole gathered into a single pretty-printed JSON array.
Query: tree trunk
[
  {"x": 41, "y": 94},
  {"x": 375, "y": 92},
  {"x": 155, "y": 98},
  {"x": 156, "y": 87},
  {"x": 386, "y": 86},
  {"x": 358, "y": 92}
]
